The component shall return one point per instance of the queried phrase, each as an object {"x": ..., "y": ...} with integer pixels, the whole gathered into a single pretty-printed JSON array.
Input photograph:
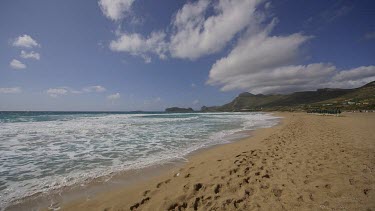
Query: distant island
[{"x": 179, "y": 110}]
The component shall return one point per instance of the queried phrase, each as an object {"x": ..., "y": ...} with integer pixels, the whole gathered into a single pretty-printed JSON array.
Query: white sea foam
[{"x": 37, "y": 156}]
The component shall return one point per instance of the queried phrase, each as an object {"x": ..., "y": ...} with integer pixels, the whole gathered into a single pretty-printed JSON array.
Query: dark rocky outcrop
[{"x": 179, "y": 110}]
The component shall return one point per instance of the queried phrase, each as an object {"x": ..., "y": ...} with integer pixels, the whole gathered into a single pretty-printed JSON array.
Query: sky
[{"x": 126, "y": 55}]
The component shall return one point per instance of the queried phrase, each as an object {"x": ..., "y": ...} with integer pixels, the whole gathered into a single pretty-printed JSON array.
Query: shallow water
[{"x": 41, "y": 151}]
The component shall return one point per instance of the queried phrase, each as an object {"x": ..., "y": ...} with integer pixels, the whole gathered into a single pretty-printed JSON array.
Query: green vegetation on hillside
[{"x": 362, "y": 98}]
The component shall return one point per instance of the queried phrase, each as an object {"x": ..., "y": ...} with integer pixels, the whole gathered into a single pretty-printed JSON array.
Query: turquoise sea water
[{"x": 42, "y": 151}]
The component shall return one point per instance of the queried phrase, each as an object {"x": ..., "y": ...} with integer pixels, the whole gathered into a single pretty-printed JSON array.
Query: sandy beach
[
  {"x": 110, "y": 105},
  {"x": 308, "y": 162}
]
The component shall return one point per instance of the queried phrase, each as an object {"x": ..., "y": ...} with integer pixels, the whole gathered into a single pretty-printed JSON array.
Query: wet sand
[{"x": 308, "y": 162}]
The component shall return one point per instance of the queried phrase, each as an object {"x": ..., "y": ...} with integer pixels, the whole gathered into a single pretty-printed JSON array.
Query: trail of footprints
[{"x": 250, "y": 173}]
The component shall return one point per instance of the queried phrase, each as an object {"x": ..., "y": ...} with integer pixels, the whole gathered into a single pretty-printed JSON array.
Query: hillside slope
[{"x": 346, "y": 99}]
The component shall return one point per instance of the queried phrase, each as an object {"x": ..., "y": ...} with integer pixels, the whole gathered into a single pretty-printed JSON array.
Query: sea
[{"x": 45, "y": 151}]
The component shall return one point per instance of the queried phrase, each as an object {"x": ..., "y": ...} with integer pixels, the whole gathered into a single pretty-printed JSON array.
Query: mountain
[{"x": 362, "y": 98}]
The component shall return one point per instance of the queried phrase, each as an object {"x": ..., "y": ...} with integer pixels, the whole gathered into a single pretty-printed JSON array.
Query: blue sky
[{"x": 148, "y": 55}]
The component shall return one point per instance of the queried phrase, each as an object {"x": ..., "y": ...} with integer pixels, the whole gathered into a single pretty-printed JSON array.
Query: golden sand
[{"x": 308, "y": 162}]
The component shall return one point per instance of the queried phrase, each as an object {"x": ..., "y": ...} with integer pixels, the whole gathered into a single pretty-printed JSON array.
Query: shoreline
[
  {"x": 84, "y": 191},
  {"x": 306, "y": 162},
  {"x": 114, "y": 181}
]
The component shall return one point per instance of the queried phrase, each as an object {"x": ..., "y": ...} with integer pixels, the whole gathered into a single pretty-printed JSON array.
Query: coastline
[
  {"x": 305, "y": 162},
  {"x": 120, "y": 180}
]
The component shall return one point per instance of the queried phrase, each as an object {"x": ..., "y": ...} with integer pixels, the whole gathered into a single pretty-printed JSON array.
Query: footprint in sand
[
  {"x": 146, "y": 192},
  {"x": 366, "y": 191},
  {"x": 161, "y": 183},
  {"x": 266, "y": 176},
  {"x": 198, "y": 186},
  {"x": 277, "y": 192},
  {"x": 137, "y": 205},
  {"x": 178, "y": 206},
  {"x": 217, "y": 188}
]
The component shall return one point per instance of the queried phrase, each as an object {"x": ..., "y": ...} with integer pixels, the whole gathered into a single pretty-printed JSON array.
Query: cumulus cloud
[
  {"x": 255, "y": 55},
  {"x": 356, "y": 73},
  {"x": 114, "y": 97},
  {"x": 292, "y": 78},
  {"x": 196, "y": 35},
  {"x": 259, "y": 61},
  {"x": 193, "y": 34},
  {"x": 10, "y": 90},
  {"x": 56, "y": 92},
  {"x": 282, "y": 79},
  {"x": 30, "y": 55},
  {"x": 137, "y": 45},
  {"x": 115, "y": 9},
  {"x": 16, "y": 64},
  {"x": 265, "y": 63},
  {"x": 25, "y": 41},
  {"x": 267, "y": 5}
]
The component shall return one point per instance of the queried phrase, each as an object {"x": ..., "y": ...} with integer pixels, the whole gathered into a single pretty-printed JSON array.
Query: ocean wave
[{"x": 40, "y": 156}]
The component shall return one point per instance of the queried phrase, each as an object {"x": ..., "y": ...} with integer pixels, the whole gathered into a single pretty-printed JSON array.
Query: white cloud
[
  {"x": 137, "y": 45},
  {"x": 254, "y": 56},
  {"x": 56, "y": 92},
  {"x": 115, "y": 9},
  {"x": 355, "y": 74},
  {"x": 30, "y": 55},
  {"x": 259, "y": 61},
  {"x": 193, "y": 34},
  {"x": 15, "y": 64},
  {"x": 262, "y": 63},
  {"x": 25, "y": 41},
  {"x": 195, "y": 102},
  {"x": 113, "y": 97},
  {"x": 146, "y": 59},
  {"x": 10, "y": 90},
  {"x": 290, "y": 78},
  {"x": 267, "y": 5},
  {"x": 196, "y": 35},
  {"x": 284, "y": 79},
  {"x": 193, "y": 85},
  {"x": 97, "y": 88}
]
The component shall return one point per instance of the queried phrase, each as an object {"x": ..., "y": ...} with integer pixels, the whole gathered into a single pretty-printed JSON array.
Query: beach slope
[{"x": 308, "y": 162}]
